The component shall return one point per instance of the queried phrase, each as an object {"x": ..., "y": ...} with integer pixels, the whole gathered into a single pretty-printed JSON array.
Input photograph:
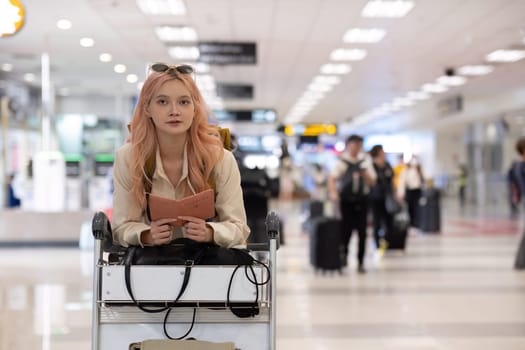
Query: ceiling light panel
[
  {"x": 387, "y": 9},
  {"x": 505, "y": 56},
  {"x": 418, "y": 95},
  {"x": 327, "y": 79},
  {"x": 173, "y": 34},
  {"x": 184, "y": 52},
  {"x": 454, "y": 80},
  {"x": 348, "y": 54},
  {"x": 332, "y": 68},
  {"x": 162, "y": 7},
  {"x": 434, "y": 88},
  {"x": 474, "y": 70},
  {"x": 364, "y": 35}
]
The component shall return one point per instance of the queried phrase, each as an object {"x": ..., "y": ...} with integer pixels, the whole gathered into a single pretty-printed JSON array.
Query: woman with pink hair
[{"x": 172, "y": 138}]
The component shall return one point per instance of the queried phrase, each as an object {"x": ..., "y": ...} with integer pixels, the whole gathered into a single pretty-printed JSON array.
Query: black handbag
[{"x": 186, "y": 252}]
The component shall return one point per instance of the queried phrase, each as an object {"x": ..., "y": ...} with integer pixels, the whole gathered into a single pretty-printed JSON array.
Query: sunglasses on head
[{"x": 163, "y": 67}]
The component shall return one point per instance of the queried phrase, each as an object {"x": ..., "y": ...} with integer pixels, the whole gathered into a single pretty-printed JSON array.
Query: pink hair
[{"x": 203, "y": 147}]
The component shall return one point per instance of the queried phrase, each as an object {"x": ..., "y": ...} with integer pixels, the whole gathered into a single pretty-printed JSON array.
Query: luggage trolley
[{"x": 117, "y": 322}]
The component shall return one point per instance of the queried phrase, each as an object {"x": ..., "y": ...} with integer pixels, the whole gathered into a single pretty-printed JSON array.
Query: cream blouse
[{"x": 130, "y": 219}]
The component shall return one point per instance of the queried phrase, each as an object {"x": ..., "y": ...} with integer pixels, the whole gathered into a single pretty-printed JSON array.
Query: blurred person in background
[
  {"x": 410, "y": 189},
  {"x": 519, "y": 169},
  {"x": 462, "y": 184},
  {"x": 320, "y": 180},
  {"x": 398, "y": 169},
  {"x": 350, "y": 182},
  {"x": 383, "y": 220},
  {"x": 13, "y": 201},
  {"x": 514, "y": 192}
]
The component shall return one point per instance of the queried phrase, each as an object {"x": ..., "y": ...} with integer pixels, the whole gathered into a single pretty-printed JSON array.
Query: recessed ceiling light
[
  {"x": 64, "y": 24},
  {"x": 505, "y": 56},
  {"x": 119, "y": 68},
  {"x": 475, "y": 70},
  {"x": 7, "y": 67},
  {"x": 29, "y": 77},
  {"x": 87, "y": 42},
  {"x": 171, "y": 33},
  {"x": 348, "y": 54},
  {"x": 184, "y": 52},
  {"x": 332, "y": 68},
  {"x": 132, "y": 78},
  {"x": 454, "y": 80},
  {"x": 105, "y": 57},
  {"x": 162, "y": 7},
  {"x": 363, "y": 35},
  {"x": 387, "y": 9}
]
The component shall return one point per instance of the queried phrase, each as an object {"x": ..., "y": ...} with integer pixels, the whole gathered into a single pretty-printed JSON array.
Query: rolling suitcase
[
  {"x": 430, "y": 211},
  {"x": 325, "y": 241},
  {"x": 398, "y": 236}
]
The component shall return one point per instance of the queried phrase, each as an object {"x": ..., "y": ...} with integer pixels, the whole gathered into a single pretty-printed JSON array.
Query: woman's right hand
[{"x": 160, "y": 232}]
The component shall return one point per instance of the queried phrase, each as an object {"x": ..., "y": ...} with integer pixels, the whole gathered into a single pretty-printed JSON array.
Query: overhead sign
[
  {"x": 224, "y": 53},
  {"x": 254, "y": 115},
  {"x": 310, "y": 129},
  {"x": 235, "y": 91}
]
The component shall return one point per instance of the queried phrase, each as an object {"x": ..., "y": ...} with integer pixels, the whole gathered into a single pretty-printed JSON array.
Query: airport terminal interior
[{"x": 439, "y": 85}]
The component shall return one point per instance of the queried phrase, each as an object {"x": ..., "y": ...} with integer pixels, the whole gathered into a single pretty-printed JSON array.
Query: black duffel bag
[{"x": 186, "y": 252}]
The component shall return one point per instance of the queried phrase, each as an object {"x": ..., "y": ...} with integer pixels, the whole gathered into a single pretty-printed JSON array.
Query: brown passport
[{"x": 200, "y": 205}]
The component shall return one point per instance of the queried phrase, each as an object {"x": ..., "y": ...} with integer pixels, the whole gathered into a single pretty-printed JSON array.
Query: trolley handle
[{"x": 101, "y": 228}]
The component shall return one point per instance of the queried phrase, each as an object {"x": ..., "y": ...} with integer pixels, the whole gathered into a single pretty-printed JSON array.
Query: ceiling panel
[{"x": 294, "y": 38}]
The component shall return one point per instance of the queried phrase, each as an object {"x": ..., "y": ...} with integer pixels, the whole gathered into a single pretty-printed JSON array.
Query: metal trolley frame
[{"x": 117, "y": 322}]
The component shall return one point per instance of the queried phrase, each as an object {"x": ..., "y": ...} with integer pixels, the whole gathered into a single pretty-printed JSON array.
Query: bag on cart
[
  {"x": 186, "y": 252},
  {"x": 190, "y": 344}
]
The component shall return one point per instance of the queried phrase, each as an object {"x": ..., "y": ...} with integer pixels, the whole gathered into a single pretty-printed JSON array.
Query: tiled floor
[{"x": 453, "y": 291}]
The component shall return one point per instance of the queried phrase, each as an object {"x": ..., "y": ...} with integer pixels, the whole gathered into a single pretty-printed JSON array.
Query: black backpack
[{"x": 353, "y": 183}]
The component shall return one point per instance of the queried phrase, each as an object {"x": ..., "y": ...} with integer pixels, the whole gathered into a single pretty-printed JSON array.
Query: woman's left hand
[{"x": 197, "y": 229}]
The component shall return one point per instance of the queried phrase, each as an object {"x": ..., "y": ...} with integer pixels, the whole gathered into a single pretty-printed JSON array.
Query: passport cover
[{"x": 200, "y": 205}]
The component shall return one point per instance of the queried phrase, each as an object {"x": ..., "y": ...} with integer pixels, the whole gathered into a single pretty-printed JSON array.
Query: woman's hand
[
  {"x": 160, "y": 232},
  {"x": 197, "y": 229}
]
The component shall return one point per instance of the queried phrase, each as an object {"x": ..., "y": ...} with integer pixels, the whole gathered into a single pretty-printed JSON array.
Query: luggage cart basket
[{"x": 203, "y": 312}]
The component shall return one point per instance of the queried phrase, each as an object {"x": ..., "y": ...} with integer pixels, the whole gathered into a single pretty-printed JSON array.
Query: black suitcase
[
  {"x": 430, "y": 211},
  {"x": 325, "y": 242},
  {"x": 397, "y": 238}
]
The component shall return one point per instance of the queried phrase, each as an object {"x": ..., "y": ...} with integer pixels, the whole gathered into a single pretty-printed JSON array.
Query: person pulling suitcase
[{"x": 350, "y": 182}]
